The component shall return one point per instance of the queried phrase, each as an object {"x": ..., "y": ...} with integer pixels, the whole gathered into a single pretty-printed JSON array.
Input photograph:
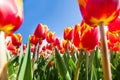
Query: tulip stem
[
  {"x": 87, "y": 62},
  {"x": 77, "y": 71},
  {"x": 3, "y": 58},
  {"x": 105, "y": 53}
]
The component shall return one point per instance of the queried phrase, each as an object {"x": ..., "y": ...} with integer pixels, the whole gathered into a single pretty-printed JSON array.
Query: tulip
[
  {"x": 49, "y": 46},
  {"x": 50, "y": 37},
  {"x": 13, "y": 50},
  {"x": 85, "y": 37},
  {"x": 56, "y": 42},
  {"x": 44, "y": 48},
  {"x": 16, "y": 39},
  {"x": 101, "y": 12},
  {"x": 96, "y": 11},
  {"x": 41, "y": 31},
  {"x": 77, "y": 36},
  {"x": 115, "y": 25},
  {"x": 66, "y": 45},
  {"x": 34, "y": 39},
  {"x": 68, "y": 33},
  {"x": 90, "y": 37},
  {"x": 113, "y": 41},
  {"x": 11, "y": 15}
]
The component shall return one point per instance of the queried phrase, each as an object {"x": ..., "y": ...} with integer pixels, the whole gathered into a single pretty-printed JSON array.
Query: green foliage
[
  {"x": 61, "y": 66},
  {"x": 25, "y": 72}
]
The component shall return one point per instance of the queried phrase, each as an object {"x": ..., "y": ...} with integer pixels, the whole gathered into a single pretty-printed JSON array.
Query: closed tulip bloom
[
  {"x": 77, "y": 36},
  {"x": 96, "y": 11},
  {"x": 34, "y": 39},
  {"x": 41, "y": 31},
  {"x": 16, "y": 39},
  {"x": 12, "y": 48},
  {"x": 113, "y": 41},
  {"x": 68, "y": 33},
  {"x": 50, "y": 37},
  {"x": 11, "y": 15},
  {"x": 85, "y": 37},
  {"x": 56, "y": 41},
  {"x": 66, "y": 45},
  {"x": 90, "y": 37}
]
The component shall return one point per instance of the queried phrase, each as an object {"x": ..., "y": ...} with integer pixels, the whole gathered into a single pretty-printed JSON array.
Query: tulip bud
[
  {"x": 68, "y": 33},
  {"x": 50, "y": 37},
  {"x": 41, "y": 31}
]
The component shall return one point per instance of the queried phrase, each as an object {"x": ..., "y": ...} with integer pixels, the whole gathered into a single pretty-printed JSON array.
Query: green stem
[
  {"x": 77, "y": 71},
  {"x": 87, "y": 61},
  {"x": 105, "y": 54}
]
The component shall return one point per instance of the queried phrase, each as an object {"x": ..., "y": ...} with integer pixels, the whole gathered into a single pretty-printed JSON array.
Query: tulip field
[{"x": 89, "y": 50}]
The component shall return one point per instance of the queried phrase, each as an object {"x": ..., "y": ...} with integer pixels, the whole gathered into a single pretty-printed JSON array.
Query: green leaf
[
  {"x": 72, "y": 64},
  {"x": 73, "y": 57},
  {"x": 66, "y": 61},
  {"x": 12, "y": 67},
  {"x": 61, "y": 66},
  {"x": 26, "y": 69}
]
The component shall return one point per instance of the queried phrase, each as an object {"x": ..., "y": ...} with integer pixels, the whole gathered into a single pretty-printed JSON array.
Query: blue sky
[{"x": 56, "y": 14}]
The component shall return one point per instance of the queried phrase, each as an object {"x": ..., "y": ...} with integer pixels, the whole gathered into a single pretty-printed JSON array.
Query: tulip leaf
[
  {"x": 12, "y": 67},
  {"x": 72, "y": 64},
  {"x": 61, "y": 66},
  {"x": 26, "y": 69}
]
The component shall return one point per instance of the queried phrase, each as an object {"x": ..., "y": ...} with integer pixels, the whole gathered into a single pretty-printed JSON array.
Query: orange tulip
[
  {"x": 96, "y": 11},
  {"x": 11, "y": 15},
  {"x": 113, "y": 41},
  {"x": 68, "y": 33},
  {"x": 33, "y": 39},
  {"x": 41, "y": 31},
  {"x": 66, "y": 45},
  {"x": 50, "y": 37},
  {"x": 77, "y": 36},
  {"x": 16, "y": 39}
]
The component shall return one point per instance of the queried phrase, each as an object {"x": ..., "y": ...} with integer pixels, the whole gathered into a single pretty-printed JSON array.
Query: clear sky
[{"x": 56, "y": 14}]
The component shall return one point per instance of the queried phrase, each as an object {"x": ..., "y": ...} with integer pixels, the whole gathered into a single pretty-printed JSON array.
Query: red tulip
[
  {"x": 41, "y": 31},
  {"x": 85, "y": 37},
  {"x": 115, "y": 25},
  {"x": 43, "y": 48},
  {"x": 90, "y": 37},
  {"x": 68, "y": 33},
  {"x": 60, "y": 48},
  {"x": 96, "y": 11},
  {"x": 50, "y": 37},
  {"x": 16, "y": 39},
  {"x": 49, "y": 46},
  {"x": 12, "y": 48},
  {"x": 56, "y": 42},
  {"x": 11, "y": 15}
]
